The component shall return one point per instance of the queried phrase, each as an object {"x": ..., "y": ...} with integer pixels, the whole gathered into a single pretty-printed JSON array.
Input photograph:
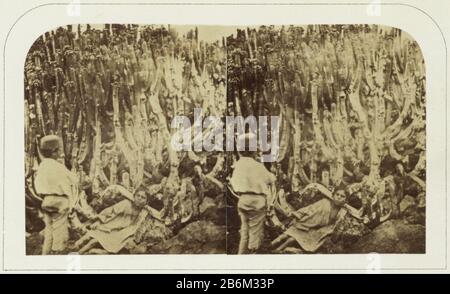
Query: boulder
[
  {"x": 154, "y": 231},
  {"x": 213, "y": 210},
  {"x": 200, "y": 237},
  {"x": 207, "y": 203},
  {"x": 393, "y": 236},
  {"x": 407, "y": 202},
  {"x": 347, "y": 232},
  {"x": 34, "y": 243}
]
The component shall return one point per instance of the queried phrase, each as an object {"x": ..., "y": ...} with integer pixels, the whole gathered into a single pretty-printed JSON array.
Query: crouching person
[{"x": 57, "y": 187}]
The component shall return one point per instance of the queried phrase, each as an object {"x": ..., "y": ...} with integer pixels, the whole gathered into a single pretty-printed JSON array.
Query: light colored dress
[
  {"x": 314, "y": 224},
  {"x": 121, "y": 225}
]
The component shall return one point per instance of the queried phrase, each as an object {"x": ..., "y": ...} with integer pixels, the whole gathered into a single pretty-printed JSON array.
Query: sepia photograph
[
  {"x": 102, "y": 176},
  {"x": 177, "y": 139},
  {"x": 350, "y": 170}
]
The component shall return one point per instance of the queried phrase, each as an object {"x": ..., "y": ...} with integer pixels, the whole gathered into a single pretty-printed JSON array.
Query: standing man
[
  {"x": 254, "y": 185},
  {"x": 57, "y": 186}
]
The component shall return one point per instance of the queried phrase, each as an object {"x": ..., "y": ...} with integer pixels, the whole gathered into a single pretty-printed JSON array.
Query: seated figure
[
  {"x": 314, "y": 222},
  {"x": 117, "y": 226}
]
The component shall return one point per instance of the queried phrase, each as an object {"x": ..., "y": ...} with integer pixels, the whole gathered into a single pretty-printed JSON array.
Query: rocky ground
[
  {"x": 392, "y": 236},
  {"x": 209, "y": 235}
]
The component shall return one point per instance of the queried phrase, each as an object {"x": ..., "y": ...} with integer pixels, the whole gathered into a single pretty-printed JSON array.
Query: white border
[{"x": 39, "y": 20}]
